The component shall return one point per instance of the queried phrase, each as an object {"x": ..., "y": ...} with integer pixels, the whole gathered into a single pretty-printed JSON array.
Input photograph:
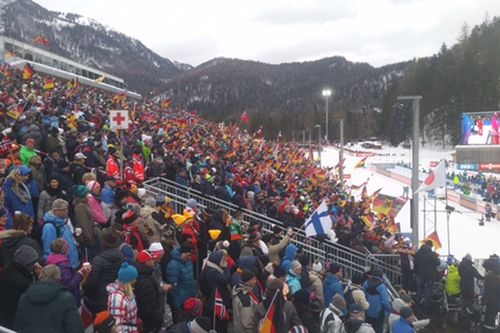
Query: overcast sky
[{"x": 375, "y": 31}]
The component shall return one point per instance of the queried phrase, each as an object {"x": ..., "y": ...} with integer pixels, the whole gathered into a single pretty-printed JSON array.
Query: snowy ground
[{"x": 466, "y": 236}]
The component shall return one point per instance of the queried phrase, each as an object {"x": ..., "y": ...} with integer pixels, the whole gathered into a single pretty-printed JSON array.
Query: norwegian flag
[
  {"x": 5, "y": 146},
  {"x": 220, "y": 308}
]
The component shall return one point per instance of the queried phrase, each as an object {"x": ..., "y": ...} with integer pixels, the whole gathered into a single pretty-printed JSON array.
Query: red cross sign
[{"x": 118, "y": 119}]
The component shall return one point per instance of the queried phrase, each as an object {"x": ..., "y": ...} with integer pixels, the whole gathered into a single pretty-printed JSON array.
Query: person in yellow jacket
[{"x": 453, "y": 280}]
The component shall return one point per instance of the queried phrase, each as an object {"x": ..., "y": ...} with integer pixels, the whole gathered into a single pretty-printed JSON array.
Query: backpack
[{"x": 326, "y": 316}]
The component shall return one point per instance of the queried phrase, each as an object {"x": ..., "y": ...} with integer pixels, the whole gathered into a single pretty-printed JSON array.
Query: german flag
[
  {"x": 166, "y": 103},
  {"x": 434, "y": 238},
  {"x": 361, "y": 164},
  {"x": 49, "y": 83},
  {"x": 367, "y": 220},
  {"x": 274, "y": 320},
  {"x": 27, "y": 72}
]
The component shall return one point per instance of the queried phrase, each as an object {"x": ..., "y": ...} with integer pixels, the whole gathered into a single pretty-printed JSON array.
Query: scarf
[{"x": 22, "y": 192}]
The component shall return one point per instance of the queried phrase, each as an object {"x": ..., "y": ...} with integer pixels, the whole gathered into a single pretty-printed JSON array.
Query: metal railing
[{"x": 351, "y": 260}]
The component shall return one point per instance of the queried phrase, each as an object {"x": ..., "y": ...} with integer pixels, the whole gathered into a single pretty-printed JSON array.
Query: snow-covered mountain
[{"x": 89, "y": 42}]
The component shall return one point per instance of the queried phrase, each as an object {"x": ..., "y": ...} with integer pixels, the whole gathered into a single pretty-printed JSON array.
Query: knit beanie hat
[
  {"x": 317, "y": 267},
  {"x": 279, "y": 271},
  {"x": 103, "y": 322},
  {"x": 93, "y": 185},
  {"x": 144, "y": 256},
  {"x": 26, "y": 257},
  {"x": 200, "y": 325},
  {"x": 298, "y": 329},
  {"x": 127, "y": 273},
  {"x": 247, "y": 275},
  {"x": 59, "y": 246},
  {"x": 156, "y": 250},
  {"x": 193, "y": 306},
  {"x": 339, "y": 302},
  {"x": 80, "y": 191},
  {"x": 187, "y": 248},
  {"x": 334, "y": 268},
  {"x": 296, "y": 264}
]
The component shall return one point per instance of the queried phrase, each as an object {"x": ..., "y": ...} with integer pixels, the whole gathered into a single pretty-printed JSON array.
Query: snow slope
[{"x": 466, "y": 236}]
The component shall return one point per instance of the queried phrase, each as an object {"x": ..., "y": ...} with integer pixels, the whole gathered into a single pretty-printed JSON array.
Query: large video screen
[{"x": 480, "y": 128}]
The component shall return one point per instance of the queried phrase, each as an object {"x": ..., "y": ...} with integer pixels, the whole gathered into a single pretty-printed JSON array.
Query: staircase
[{"x": 351, "y": 260}]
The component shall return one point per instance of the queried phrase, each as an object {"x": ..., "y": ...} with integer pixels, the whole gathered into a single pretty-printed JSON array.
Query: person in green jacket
[
  {"x": 453, "y": 280},
  {"x": 28, "y": 151},
  {"x": 47, "y": 306}
]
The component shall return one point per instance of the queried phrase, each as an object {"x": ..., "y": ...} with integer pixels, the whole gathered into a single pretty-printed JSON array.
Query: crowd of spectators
[{"x": 79, "y": 234}]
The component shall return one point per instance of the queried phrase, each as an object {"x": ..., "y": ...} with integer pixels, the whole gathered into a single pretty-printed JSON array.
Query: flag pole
[
  {"x": 215, "y": 317},
  {"x": 448, "y": 212}
]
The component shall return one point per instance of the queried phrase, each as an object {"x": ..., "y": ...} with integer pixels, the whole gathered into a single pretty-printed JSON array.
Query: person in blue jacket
[
  {"x": 289, "y": 257},
  {"x": 56, "y": 224},
  {"x": 332, "y": 284},
  {"x": 404, "y": 323},
  {"x": 378, "y": 297},
  {"x": 181, "y": 276},
  {"x": 17, "y": 195}
]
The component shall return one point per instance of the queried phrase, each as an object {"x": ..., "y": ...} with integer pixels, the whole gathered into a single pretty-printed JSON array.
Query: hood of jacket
[
  {"x": 353, "y": 325},
  {"x": 248, "y": 262},
  {"x": 43, "y": 292},
  {"x": 176, "y": 255},
  {"x": 51, "y": 218},
  {"x": 56, "y": 259},
  {"x": 78, "y": 200},
  {"x": 12, "y": 237},
  {"x": 216, "y": 257},
  {"x": 290, "y": 251},
  {"x": 112, "y": 255}
]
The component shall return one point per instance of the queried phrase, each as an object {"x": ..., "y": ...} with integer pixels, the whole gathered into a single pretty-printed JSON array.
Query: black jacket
[
  {"x": 467, "y": 274},
  {"x": 13, "y": 240},
  {"x": 47, "y": 307},
  {"x": 181, "y": 327},
  {"x": 105, "y": 268},
  {"x": 14, "y": 281},
  {"x": 426, "y": 263},
  {"x": 491, "y": 293},
  {"x": 147, "y": 296}
]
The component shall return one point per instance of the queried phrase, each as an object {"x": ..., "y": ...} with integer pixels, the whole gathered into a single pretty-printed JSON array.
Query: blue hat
[
  {"x": 127, "y": 273},
  {"x": 24, "y": 170}
]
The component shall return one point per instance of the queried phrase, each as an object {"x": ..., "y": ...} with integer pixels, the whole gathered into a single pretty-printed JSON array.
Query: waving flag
[
  {"x": 27, "y": 72},
  {"x": 274, "y": 320},
  {"x": 434, "y": 238},
  {"x": 220, "y": 308},
  {"x": 435, "y": 179},
  {"x": 49, "y": 84},
  {"x": 367, "y": 220},
  {"x": 320, "y": 222},
  {"x": 361, "y": 164}
]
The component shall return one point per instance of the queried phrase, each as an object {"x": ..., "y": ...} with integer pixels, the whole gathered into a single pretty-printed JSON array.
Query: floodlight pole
[{"x": 415, "y": 163}]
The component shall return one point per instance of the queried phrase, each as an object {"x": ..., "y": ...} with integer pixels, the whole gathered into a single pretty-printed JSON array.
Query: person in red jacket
[
  {"x": 112, "y": 165},
  {"x": 138, "y": 166}
]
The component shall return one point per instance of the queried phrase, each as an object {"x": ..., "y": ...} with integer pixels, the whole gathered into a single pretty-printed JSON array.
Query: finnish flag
[{"x": 320, "y": 222}]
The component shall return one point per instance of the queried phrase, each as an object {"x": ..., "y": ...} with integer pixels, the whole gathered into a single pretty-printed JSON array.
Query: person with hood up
[
  {"x": 290, "y": 254},
  {"x": 47, "y": 306},
  {"x": 17, "y": 195},
  {"x": 356, "y": 322},
  {"x": 405, "y": 322},
  {"x": 426, "y": 264},
  {"x": 57, "y": 224},
  {"x": 397, "y": 305},
  {"x": 180, "y": 275},
  {"x": 217, "y": 279},
  {"x": 15, "y": 279},
  {"x": 330, "y": 318},
  {"x": 245, "y": 304},
  {"x": 302, "y": 303},
  {"x": 332, "y": 284},
  {"x": 121, "y": 300},
  {"x": 147, "y": 293},
  {"x": 453, "y": 279},
  {"x": 293, "y": 277},
  {"x": 70, "y": 278},
  {"x": 378, "y": 296},
  {"x": 468, "y": 273},
  {"x": 11, "y": 240},
  {"x": 95, "y": 203},
  {"x": 197, "y": 325},
  {"x": 52, "y": 192},
  {"x": 105, "y": 267}
]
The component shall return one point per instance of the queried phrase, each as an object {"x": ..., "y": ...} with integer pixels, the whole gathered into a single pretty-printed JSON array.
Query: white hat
[
  {"x": 317, "y": 266},
  {"x": 156, "y": 246},
  {"x": 141, "y": 192},
  {"x": 80, "y": 156}
]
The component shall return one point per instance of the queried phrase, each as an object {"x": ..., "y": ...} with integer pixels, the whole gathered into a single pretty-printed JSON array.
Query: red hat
[
  {"x": 193, "y": 307},
  {"x": 144, "y": 256}
]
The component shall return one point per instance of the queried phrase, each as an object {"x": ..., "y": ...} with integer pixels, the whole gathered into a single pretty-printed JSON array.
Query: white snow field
[{"x": 466, "y": 236}]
